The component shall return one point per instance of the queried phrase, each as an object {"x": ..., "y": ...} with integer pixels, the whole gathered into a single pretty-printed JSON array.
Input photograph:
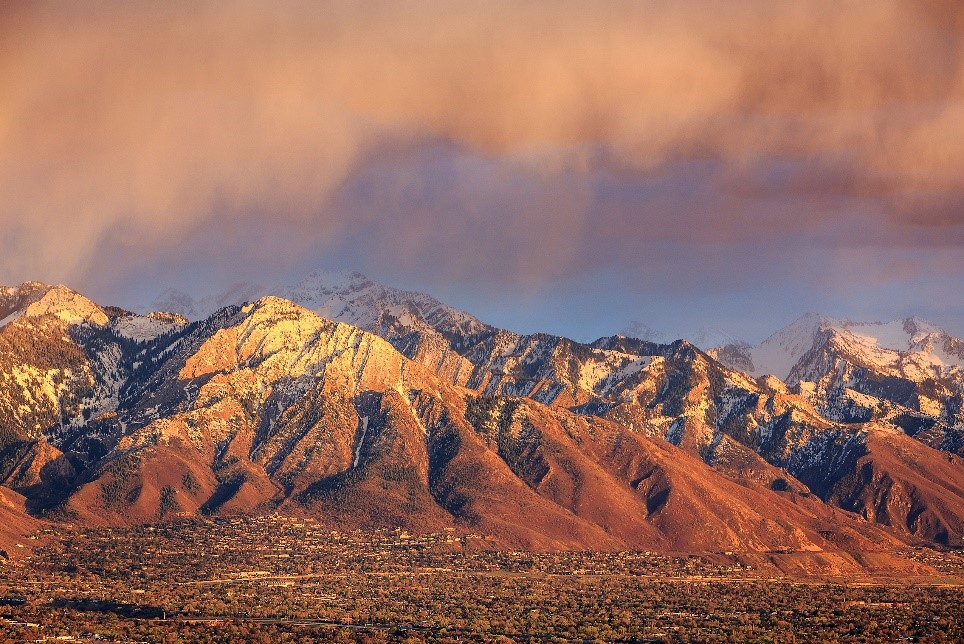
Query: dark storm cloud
[{"x": 698, "y": 144}]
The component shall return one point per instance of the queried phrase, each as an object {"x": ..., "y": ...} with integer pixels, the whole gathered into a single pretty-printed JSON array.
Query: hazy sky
[{"x": 565, "y": 166}]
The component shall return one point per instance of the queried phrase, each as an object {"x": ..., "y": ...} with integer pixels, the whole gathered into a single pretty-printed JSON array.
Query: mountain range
[{"x": 369, "y": 406}]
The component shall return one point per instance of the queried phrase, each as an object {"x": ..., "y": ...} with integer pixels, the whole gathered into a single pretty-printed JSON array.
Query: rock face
[
  {"x": 63, "y": 362},
  {"x": 394, "y": 409},
  {"x": 907, "y": 374}
]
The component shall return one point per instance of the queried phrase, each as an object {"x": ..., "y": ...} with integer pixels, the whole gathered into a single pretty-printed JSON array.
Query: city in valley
[{"x": 283, "y": 579}]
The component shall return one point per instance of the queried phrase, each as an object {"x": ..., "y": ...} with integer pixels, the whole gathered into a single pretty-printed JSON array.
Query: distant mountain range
[{"x": 369, "y": 406}]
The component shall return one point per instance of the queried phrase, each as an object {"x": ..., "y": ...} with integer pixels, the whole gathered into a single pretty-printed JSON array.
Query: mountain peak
[
  {"x": 274, "y": 306},
  {"x": 68, "y": 305},
  {"x": 356, "y": 299},
  {"x": 319, "y": 287},
  {"x": 271, "y": 403},
  {"x": 876, "y": 344},
  {"x": 710, "y": 337},
  {"x": 349, "y": 297},
  {"x": 35, "y": 299},
  {"x": 778, "y": 354}
]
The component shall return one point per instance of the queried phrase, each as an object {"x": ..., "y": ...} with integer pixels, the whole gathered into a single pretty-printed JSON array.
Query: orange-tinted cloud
[{"x": 546, "y": 138}]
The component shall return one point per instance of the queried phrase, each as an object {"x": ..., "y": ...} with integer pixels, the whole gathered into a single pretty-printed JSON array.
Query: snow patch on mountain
[
  {"x": 606, "y": 368},
  {"x": 710, "y": 337},
  {"x": 353, "y": 298},
  {"x": 142, "y": 328},
  {"x": 10, "y": 318},
  {"x": 779, "y": 353},
  {"x": 898, "y": 347},
  {"x": 703, "y": 338}
]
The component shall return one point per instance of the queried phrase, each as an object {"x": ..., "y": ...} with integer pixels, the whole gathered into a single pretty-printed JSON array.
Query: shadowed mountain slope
[{"x": 441, "y": 421}]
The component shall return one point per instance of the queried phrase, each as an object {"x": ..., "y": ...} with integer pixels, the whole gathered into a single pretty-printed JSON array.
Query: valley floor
[{"x": 281, "y": 579}]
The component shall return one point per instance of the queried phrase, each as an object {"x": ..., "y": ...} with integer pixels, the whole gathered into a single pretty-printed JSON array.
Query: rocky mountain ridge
[
  {"x": 907, "y": 373},
  {"x": 417, "y": 414}
]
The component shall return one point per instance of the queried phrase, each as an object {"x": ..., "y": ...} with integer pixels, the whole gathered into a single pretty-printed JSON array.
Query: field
[{"x": 278, "y": 579}]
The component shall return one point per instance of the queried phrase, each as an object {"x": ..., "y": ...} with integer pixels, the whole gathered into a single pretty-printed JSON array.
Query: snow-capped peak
[
  {"x": 711, "y": 337},
  {"x": 899, "y": 335},
  {"x": 342, "y": 296},
  {"x": 881, "y": 345},
  {"x": 355, "y": 299},
  {"x": 705, "y": 338}
]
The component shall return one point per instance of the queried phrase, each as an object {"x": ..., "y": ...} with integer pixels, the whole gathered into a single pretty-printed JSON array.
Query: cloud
[{"x": 703, "y": 143}]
